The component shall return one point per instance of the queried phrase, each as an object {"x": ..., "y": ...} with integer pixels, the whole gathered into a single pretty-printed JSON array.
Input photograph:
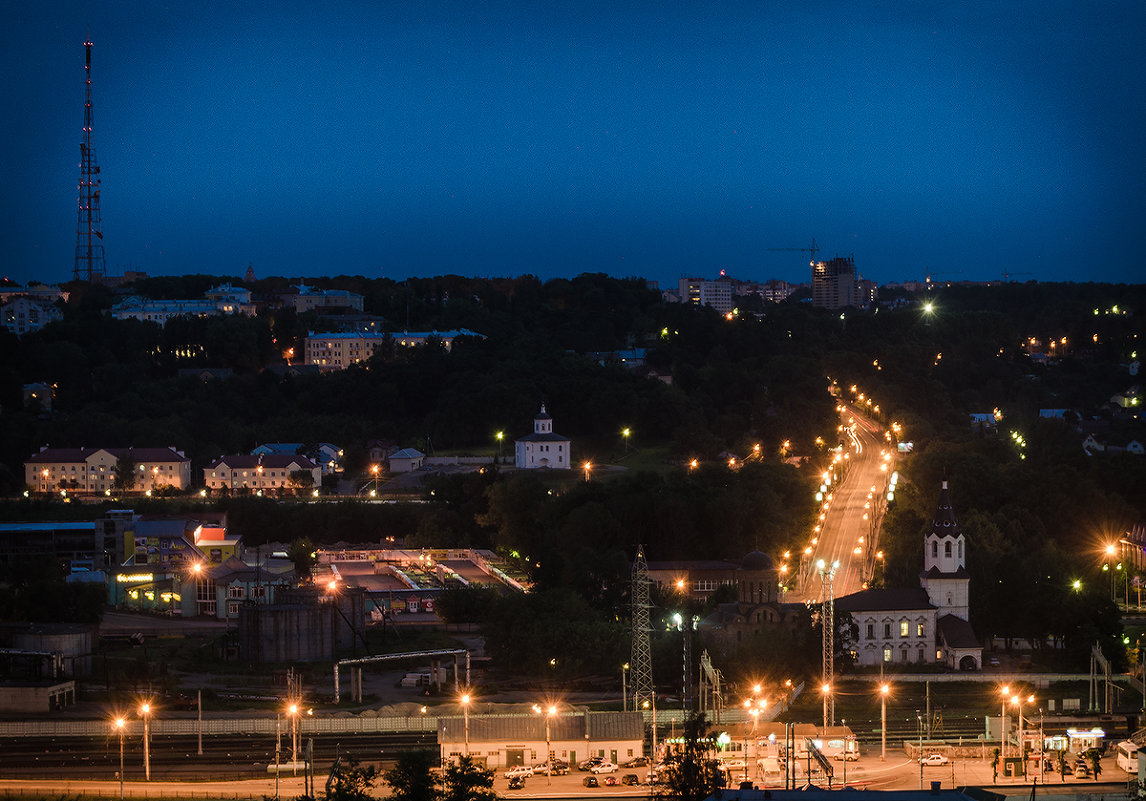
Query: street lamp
[
  {"x": 625, "y": 433},
  {"x": 292, "y": 710},
  {"x": 499, "y": 436},
  {"x": 883, "y": 691},
  {"x": 466, "y": 717},
  {"x": 588, "y": 467},
  {"x": 145, "y": 712},
  {"x": 119, "y": 724},
  {"x": 1003, "y": 723},
  {"x": 1017, "y": 701},
  {"x": 550, "y": 712},
  {"x": 624, "y": 687},
  {"x": 374, "y": 469}
]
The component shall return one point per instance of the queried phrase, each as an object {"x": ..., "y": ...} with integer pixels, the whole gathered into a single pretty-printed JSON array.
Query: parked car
[
  {"x": 636, "y": 762},
  {"x": 590, "y": 781},
  {"x": 519, "y": 770},
  {"x": 630, "y": 779},
  {"x": 730, "y": 764},
  {"x": 517, "y": 783},
  {"x": 586, "y": 764},
  {"x": 849, "y": 756},
  {"x": 934, "y": 759},
  {"x": 604, "y": 767},
  {"x": 560, "y": 768},
  {"x": 610, "y": 781}
]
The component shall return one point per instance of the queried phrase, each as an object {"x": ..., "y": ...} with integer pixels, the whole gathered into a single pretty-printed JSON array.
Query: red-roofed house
[
  {"x": 93, "y": 470},
  {"x": 265, "y": 471}
]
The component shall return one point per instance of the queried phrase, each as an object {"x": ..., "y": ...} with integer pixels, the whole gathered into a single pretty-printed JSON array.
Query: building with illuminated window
[
  {"x": 263, "y": 472},
  {"x": 94, "y": 471},
  {"x": 834, "y": 283},
  {"x": 542, "y": 448},
  {"x": 337, "y": 350},
  {"x": 924, "y": 625}
]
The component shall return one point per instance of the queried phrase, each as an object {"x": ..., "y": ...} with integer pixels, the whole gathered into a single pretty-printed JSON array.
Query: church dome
[{"x": 757, "y": 560}]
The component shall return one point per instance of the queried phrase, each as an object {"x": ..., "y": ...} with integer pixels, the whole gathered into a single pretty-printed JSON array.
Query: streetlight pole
[
  {"x": 292, "y": 710},
  {"x": 119, "y": 724},
  {"x": 466, "y": 717},
  {"x": 919, "y": 717},
  {"x": 145, "y": 711},
  {"x": 1003, "y": 726},
  {"x": 883, "y": 690},
  {"x": 500, "y": 436},
  {"x": 624, "y": 687}
]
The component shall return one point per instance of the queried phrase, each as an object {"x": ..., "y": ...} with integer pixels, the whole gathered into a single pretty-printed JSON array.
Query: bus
[{"x": 1128, "y": 756}]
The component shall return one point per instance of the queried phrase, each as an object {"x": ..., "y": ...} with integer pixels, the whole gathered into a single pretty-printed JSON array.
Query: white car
[
  {"x": 604, "y": 767},
  {"x": 848, "y": 756},
  {"x": 934, "y": 759},
  {"x": 524, "y": 771}
]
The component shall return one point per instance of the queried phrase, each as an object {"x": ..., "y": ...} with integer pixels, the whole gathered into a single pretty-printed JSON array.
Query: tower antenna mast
[{"x": 89, "y": 236}]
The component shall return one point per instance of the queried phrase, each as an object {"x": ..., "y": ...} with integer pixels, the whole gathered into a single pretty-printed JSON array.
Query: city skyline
[{"x": 963, "y": 141}]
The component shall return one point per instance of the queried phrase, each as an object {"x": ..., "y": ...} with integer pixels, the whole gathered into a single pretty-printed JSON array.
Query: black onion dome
[{"x": 757, "y": 560}]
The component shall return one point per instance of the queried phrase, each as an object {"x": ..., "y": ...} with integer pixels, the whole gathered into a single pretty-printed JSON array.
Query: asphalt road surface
[{"x": 848, "y": 533}]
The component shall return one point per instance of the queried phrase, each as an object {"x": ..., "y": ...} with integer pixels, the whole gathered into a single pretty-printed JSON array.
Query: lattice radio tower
[
  {"x": 641, "y": 660},
  {"x": 828, "y": 620},
  {"x": 89, "y": 237}
]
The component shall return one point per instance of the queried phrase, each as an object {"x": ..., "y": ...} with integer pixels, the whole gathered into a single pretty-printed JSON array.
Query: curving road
[{"x": 852, "y": 509}]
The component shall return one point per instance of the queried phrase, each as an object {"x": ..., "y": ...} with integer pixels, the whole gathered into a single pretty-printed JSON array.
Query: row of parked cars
[{"x": 594, "y": 765}]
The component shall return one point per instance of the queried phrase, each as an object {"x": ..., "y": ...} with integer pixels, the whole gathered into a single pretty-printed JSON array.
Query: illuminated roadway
[{"x": 846, "y": 535}]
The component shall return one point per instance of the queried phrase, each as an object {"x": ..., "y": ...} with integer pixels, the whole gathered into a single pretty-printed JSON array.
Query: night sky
[{"x": 658, "y": 140}]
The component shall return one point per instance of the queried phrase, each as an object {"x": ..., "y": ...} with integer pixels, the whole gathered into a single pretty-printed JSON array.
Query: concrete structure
[
  {"x": 90, "y": 471},
  {"x": 324, "y": 454},
  {"x": 262, "y": 473},
  {"x": 702, "y": 292},
  {"x": 834, "y": 283},
  {"x": 83, "y": 546},
  {"x": 309, "y": 299},
  {"x": 503, "y": 741},
  {"x": 219, "y": 301},
  {"x": 37, "y": 698},
  {"x": 222, "y": 590},
  {"x": 303, "y": 625},
  {"x": 928, "y": 625},
  {"x": 337, "y": 350},
  {"x": 542, "y": 448},
  {"x": 21, "y": 315},
  {"x": 406, "y": 460},
  {"x": 696, "y": 579}
]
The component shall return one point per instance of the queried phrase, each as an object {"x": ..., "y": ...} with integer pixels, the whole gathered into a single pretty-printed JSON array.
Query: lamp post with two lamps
[
  {"x": 625, "y": 687},
  {"x": 884, "y": 689},
  {"x": 754, "y": 706}
]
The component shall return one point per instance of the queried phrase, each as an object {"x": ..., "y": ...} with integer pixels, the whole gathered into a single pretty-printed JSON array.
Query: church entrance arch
[{"x": 968, "y": 663}]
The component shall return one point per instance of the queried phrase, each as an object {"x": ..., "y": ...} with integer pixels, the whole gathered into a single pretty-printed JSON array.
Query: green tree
[
  {"x": 350, "y": 781},
  {"x": 125, "y": 472},
  {"x": 302, "y": 553},
  {"x": 413, "y": 777},
  {"x": 467, "y": 781},
  {"x": 694, "y": 774}
]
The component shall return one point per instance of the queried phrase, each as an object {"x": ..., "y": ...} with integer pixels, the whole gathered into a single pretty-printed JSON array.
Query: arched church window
[
  {"x": 935, "y": 549},
  {"x": 960, "y": 550},
  {"x": 947, "y": 549}
]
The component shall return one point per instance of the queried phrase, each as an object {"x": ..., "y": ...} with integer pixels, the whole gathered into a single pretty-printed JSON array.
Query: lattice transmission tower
[
  {"x": 641, "y": 659},
  {"x": 89, "y": 236}
]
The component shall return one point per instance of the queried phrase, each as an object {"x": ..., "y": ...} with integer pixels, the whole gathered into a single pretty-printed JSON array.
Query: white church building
[
  {"x": 542, "y": 448},
  {"x": 924, "y": 625}
]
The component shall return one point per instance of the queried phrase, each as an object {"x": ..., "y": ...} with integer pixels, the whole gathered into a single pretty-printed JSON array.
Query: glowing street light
[
  {"x": 625, "y": 434},
  {"x": 884, "y": 689},
  {"x": 466, "y": 716},
  {"x": 119, "y": 724},
  {"x": 499, "y": 436},
  {"x": 588, "y": 466},
  {"x": 145, "y": 713}
]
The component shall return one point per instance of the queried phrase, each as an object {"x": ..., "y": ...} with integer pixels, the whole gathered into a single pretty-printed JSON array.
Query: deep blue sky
[{"x": 660, "y": 139}]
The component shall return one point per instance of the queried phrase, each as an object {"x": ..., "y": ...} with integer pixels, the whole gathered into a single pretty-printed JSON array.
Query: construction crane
[{"x": 813, "y": 250}]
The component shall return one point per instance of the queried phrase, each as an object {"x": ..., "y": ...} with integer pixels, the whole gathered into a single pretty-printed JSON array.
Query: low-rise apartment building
[
  {"x": 266, "y": 472},
  {"x": 95, "y": 470}
]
